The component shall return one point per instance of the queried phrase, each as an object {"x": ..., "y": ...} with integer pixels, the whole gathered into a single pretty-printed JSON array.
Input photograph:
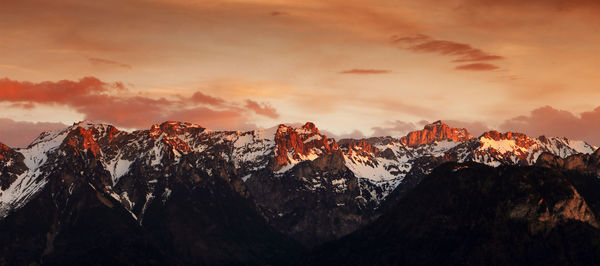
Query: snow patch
[
  {"x": 118, "y": 168},
  {"x": 37, "y": 153},
  {"x": 245, "y": 178},
  {"x": 502, "y": 146}
]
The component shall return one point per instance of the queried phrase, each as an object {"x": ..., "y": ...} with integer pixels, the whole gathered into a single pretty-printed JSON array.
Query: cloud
[
  {"x": 105, "y": 102},
  {"x": 19, "y": 134},
  {"x": 262, "y": 109},
  {"x": 393, "y": 128},
  {"x": 137, "y": 112},
  {"x": 477, "y": 67},
  {"x": 62, "y": 92},
  {"x": 554, "y": 5},
  {"x": 199, "y": 97},
  {"x": 554, "y": 122},
  {"x": 89, "y": 96},
  {"x": 462, "y": 52},
  {"x": 365, "y": 71},
  {"x": 277, "y": 13},
  {"x": 106, "y": 62}
]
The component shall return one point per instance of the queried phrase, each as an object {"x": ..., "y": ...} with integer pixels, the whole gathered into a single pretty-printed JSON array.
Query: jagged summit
[
  {"x": 294, "y": 145},
  {"x": 311, "y": 126},
  {"x": 173, "y": 128},
  {"x": 436, "y": 131},
  {"x": 306, "y": 128}
]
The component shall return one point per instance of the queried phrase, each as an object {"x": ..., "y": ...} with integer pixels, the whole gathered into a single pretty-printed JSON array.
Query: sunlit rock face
[
  {"x": 436, "y": 131},
  {"x": 299, "y": 144}
]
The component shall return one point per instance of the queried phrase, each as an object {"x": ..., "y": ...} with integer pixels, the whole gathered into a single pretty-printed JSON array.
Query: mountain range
[{"x": 181, "y": 194}]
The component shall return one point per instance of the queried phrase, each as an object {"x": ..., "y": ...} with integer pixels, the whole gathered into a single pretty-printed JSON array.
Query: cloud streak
[
  {"x": 262, "y": 109},
  {"x": 106, "y": 62},
  {"x": 477, "y": 67},
  {"x": 361, "y": 71},
  {"x": 199, "y": 97},
  {"x": 462, "y": 52}
]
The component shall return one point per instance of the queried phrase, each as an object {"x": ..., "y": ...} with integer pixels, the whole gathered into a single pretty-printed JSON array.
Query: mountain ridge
[
  {"x": 354, "y": 176},
  {"x": 285, "y": 188}
]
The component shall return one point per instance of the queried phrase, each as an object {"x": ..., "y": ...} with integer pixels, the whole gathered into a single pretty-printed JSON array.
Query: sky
[{"x": 354, "y": 68}]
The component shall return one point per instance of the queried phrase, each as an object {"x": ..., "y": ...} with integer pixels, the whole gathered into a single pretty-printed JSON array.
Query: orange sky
[{"x": 379, "y": 67}]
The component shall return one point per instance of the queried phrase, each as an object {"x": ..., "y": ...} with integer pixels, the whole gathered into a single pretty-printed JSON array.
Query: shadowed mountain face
[
  {"x": 583, "y": 163},
  {"x": 471, "y": 214}
]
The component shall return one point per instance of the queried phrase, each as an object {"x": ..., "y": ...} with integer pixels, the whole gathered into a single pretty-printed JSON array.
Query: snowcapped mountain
[
  {"x": 494, "y": 148},
  {"x": 306, "y": 185}
]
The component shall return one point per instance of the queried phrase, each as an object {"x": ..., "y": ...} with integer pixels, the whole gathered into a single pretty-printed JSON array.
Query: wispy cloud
[
  {"x": 199, "y": 97},
  {"x": 477, "y": 67},
  {"x": 262, "y": 109},
  {"x": 277, "y": 13},
  {"x": 462, "y": 52},
  {"x": 365, "y": 71},
  {"x": 106, "y": 62}
]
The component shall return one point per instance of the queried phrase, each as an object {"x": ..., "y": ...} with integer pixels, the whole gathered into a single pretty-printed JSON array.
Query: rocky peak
[
  {"x": 361, "y": 147},
  {"x": 435, "y": 124},
  {"x": 172, "y": 128},
  {"x": 299, "y": 144},
  {"x": 436, "y": 131},
  {"x": 82, "y": 139},
  {"x": 310, "y": 126},
  {"x": 104, "y": 133},
  {"x": 98, "y": 130}
]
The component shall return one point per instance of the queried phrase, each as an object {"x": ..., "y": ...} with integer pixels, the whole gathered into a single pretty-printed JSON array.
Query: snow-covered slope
[{"x": 29, "y": 182}]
